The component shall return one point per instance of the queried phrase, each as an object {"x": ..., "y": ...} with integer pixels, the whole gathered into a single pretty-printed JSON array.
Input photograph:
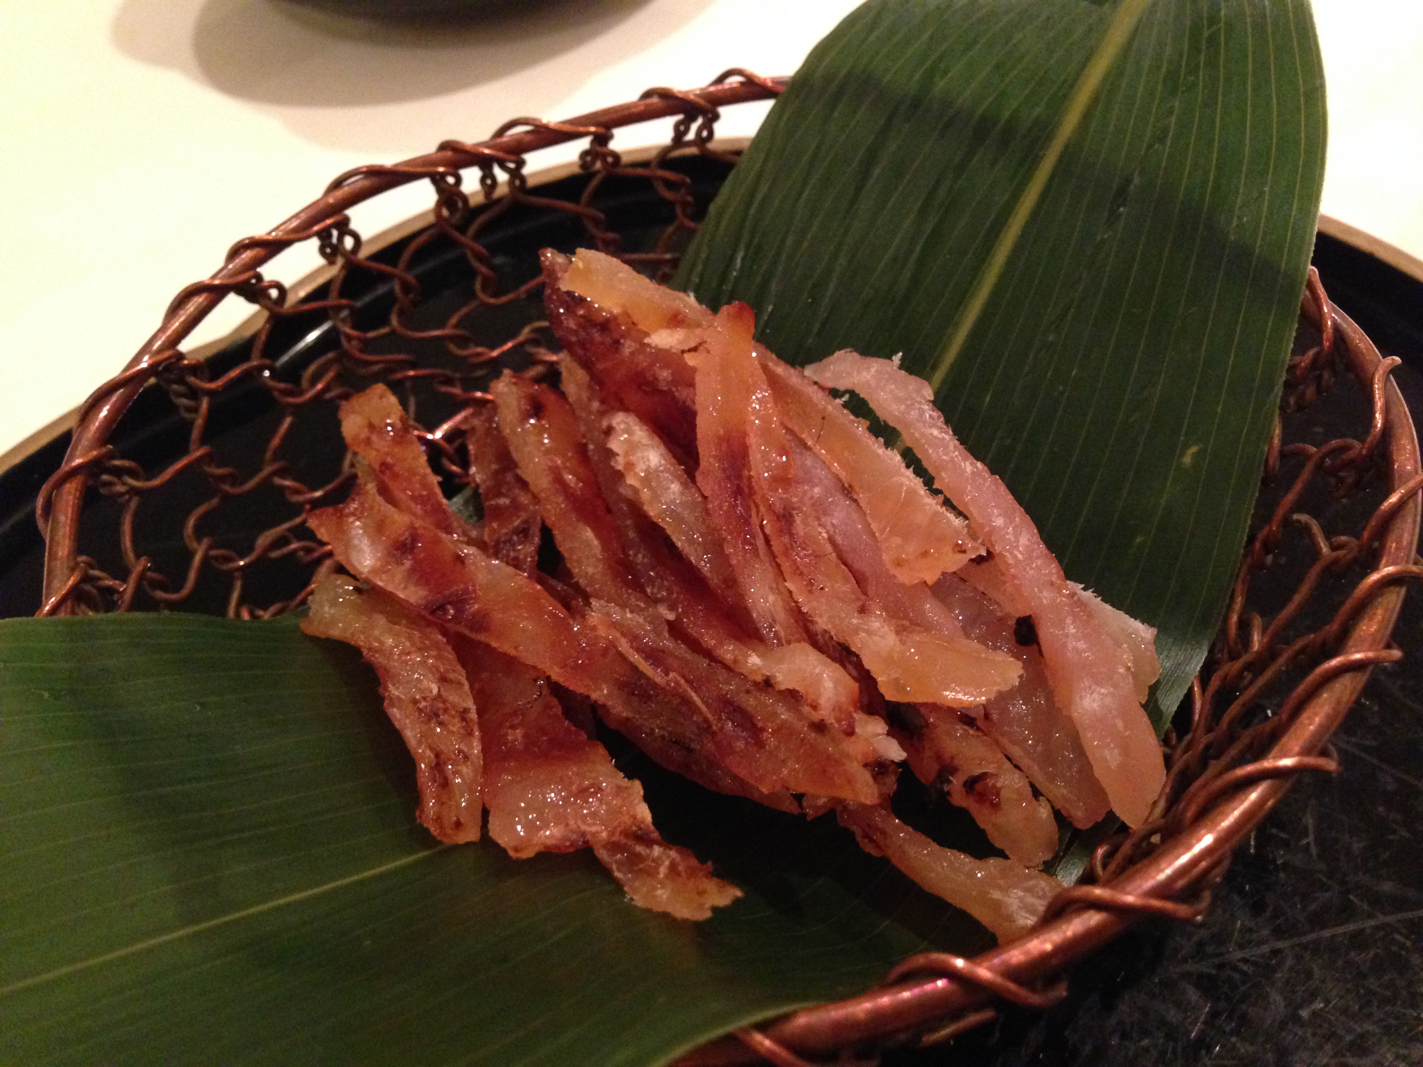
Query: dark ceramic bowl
[{"x": 399, "y": 10}]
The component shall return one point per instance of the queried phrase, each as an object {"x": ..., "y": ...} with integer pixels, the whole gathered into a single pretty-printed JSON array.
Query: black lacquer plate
[{"x": 1312, "y": 951}]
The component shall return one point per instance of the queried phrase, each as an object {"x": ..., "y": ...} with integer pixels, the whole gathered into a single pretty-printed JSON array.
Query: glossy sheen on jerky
[
  {"x": 463, "y": 589},
  {"x": 375, "y": 427},
  {"x": 637, "y": 374},
  {"x": 511, "y": 526},
  {"x": 1006, "y": 897},
  {"x": 710, "y": 619},
  {"x": 549, "y": 787},
  {"x": 948, "y": 751},
  {"x": 426, "y": 696},
  {"x": 1089, "y": 670}
]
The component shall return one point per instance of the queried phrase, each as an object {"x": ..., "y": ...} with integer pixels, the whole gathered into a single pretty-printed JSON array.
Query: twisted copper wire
[
  {"x": 1283, "y": 767},
  {"x": 947, "y": 965},
  {"x": 769, "y": 1050},
  {"x": 963, "y": 1024},
  {"x": 1111, "y": 900}
]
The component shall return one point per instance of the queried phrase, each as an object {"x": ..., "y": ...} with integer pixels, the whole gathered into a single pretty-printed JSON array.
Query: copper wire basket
[{"x": 203, "y": 509}]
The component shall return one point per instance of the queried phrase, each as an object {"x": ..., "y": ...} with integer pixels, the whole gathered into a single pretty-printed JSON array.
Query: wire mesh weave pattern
[{"x": 203, "y": 508}]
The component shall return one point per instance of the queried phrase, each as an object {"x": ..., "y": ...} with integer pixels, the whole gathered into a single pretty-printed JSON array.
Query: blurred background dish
[{"x": 396, "y": 10}]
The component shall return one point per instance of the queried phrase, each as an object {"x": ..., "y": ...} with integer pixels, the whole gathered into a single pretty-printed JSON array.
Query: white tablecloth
[{"x": 140, "y": 138}]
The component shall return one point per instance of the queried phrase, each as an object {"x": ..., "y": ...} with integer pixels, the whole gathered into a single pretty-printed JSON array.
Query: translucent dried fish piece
[
  {"x": 1006, "y": 897},
  {"x": 425, "y": 692},
  {"x": 549, "y": 787},
  {"x": 1090, "y": 672}
]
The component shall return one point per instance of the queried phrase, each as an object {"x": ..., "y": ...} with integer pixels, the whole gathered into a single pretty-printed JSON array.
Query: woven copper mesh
[{"x": 200, "y": 516}]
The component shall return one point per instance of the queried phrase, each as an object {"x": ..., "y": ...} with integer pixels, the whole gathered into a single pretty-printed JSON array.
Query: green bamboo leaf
[
  {"x": 1088, "y": 224},
  {"x": 208, "y": 854}
]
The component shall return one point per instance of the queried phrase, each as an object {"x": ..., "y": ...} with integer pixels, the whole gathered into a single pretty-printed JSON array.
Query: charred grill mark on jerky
[
  {"x": 944, "y": 780},
  {"x": 1024, "y": 632},
  {"x": 406, "y": 546},
  {"x": 982, "y": 781},
  {"x": 982, "y": 788},
  {"x": 458, "y": 608},
  {"x": 1025, "y": 722},
  {"x": 905, "y": 718},
  {"x": 512, "y": 524}
]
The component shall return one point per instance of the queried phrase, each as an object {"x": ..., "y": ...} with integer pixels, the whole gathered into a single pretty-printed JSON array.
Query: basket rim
[
  {"x": 1184, "y": 866},
  {"x": 60, "y": 499}
]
